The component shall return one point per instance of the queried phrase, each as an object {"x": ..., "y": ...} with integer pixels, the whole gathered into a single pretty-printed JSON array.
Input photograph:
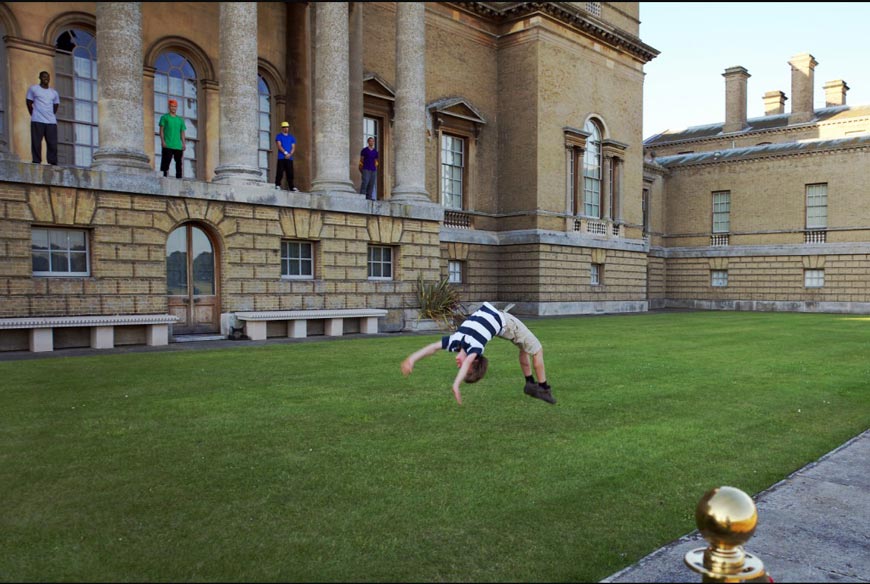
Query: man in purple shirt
[{"x": 368, "y": 166}]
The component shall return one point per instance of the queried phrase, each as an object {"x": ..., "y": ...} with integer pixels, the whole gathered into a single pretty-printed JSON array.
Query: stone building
[
  {"x": 769, "y": 213},
  {"x": 511, "y": 163}
]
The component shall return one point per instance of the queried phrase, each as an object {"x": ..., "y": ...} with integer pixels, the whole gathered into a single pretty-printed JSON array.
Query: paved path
[{"x": 813, "y": 526}]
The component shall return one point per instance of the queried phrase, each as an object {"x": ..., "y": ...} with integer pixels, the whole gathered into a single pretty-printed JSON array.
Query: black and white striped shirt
[{"x": 475, "y": 332}]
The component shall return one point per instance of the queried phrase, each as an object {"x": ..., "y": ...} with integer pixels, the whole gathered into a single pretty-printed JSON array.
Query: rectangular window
[
  {"x": 380, "y": 262},
  {"x": 59, "y": 252},
  {"x": 455, "y": 271},
  {"x": 814, "y": 278},
  {"x": 719, "y": 278},
  {"x": 817, "y": 206},
  {"x": 597, "y": 274},
  {"x": 721, "y": 212},
  {"x": 452, "y": 171},
  {"x": 297, "y": 260}
]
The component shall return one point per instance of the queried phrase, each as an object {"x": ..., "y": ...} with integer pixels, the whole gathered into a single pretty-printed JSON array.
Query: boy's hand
[
  {"x": 456, "y": 394},
  {"x": 407, "y": 367}
]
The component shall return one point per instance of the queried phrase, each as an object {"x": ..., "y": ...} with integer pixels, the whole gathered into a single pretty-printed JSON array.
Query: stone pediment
[
  {"x": 377, "y": 87},
  {"x": 456, "y": 107}
]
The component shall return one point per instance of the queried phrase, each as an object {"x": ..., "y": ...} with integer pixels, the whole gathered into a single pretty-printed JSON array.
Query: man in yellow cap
[{"x": 286, "y": 144}]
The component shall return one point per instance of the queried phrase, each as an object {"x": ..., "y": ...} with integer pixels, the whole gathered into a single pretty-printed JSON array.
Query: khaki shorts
[{"x": 519, "y": 334}]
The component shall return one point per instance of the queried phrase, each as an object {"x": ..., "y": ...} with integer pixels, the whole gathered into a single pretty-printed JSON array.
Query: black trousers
[
  {"x": 285, "y": 165},
  {"x": 167, "y": 156},
  {"x": 38, "y": 131}
]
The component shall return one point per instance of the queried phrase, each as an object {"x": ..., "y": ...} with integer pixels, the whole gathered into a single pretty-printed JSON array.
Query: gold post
[{"x": 726, "y": 517}]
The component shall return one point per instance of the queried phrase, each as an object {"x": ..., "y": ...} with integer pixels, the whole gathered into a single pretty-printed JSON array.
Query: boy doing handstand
[{"x": 469, "y": 342}]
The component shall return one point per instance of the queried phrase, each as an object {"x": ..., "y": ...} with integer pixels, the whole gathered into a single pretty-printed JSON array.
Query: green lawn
[{"x": 318, "y": 461}]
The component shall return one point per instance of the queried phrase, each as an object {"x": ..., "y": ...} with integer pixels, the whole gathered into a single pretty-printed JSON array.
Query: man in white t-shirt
[{"x": 42, "y": 103}]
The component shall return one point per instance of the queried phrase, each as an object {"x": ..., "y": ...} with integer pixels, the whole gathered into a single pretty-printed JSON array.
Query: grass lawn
[{"x": 318, "y": 461}]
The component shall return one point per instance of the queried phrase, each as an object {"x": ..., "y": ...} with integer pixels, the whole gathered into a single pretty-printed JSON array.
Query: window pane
[
  {"x": 40, "y": 261},
  {"x": 78, "y": 262}
]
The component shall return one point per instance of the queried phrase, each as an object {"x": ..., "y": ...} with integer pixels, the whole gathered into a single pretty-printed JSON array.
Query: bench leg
[
  {"x": 334, "y": 327},
  {"x": 370, "y": 325},
  {"x": 41, "y": 340},
  {"x": 256, "y": 330},
  {"x": 157, "y": 335},
  {"x": 297, "y": 329},
  {"x": 102, "y": 337}
]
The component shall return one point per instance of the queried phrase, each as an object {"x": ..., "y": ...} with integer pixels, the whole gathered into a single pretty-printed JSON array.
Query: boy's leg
[
  {"x": 36, "y": 133},
  {"x": 279, "y": 173},
  {"x": 51, "y": 143},
  {"x": 165, "y": 159},
  {"x": 178, "y": 155}
]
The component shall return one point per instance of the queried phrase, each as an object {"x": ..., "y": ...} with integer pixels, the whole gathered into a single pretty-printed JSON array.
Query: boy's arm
[
  {"x": 460, "y": 376},
  {"x": 408, "y": 363}
]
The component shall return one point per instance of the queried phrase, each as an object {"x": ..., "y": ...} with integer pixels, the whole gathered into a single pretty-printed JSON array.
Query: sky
[{"x": 698, "y": 41}]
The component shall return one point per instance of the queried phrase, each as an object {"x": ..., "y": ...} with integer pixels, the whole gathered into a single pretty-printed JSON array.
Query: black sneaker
[
  {"x": 544, "y": 394},
  {"x": 530, "y": 388}
]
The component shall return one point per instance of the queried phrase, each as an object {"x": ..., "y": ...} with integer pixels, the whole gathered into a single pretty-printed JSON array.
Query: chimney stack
[
  {"x": 735, "y": 99},
  {"x": 835, "y": 93},
  {"x": 802, "y": 70},
  {"x": 774, "y": 103}
]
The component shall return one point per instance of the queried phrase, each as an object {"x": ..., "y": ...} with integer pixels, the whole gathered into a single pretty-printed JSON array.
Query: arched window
[
  {"x": 592, "y": 171},
  {"x": 176, "y": 79},
  {"x": 75, "y": 78},
  {"x": 265, "y": 132}
]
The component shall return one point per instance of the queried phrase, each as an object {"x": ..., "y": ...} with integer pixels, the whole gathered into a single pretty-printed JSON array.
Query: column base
[
  {"x": 410, "y": 194},
  {"x": 237, "y": 174},
  {"x": 121, "y": 160},
  {"x": 333, "y": 186}
]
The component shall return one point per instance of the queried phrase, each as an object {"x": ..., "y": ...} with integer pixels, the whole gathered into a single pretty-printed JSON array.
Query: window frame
[
  {"x": 455, "y": 268},
  {"x": 58, "y": 274},
  {"x": 596, "y": 274},
  {"x": 192, "y": 159},
  {"x": 391, "y": 262},
  {"x": 69, "y": 125},
  {"x": 716, "y": 217},
  {"x": 593, "y": 169},
  {"x": 814, "y": 278},
  {"x": 808, "y": 197},
  {"x": 266, "y": 97},
  {"x": 463, "y": 173},
  {"x": 286, "y": 259},
  {"x": 719, "y": 278}
]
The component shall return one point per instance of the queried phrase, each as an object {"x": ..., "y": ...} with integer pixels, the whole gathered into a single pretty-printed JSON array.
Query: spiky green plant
[{"x": 440, "y": 301}]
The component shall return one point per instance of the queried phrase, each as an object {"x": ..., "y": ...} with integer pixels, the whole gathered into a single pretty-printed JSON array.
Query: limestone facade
[
  {"x": 483, "y": 112},
  {"x": 797, "y": 232}
]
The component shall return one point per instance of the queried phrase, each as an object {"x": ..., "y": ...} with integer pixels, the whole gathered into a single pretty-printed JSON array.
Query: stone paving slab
[{"x": 813, "y": 526}]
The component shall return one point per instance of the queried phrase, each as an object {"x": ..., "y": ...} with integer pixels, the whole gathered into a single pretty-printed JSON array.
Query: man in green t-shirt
[{"x": 172, "y": 129}]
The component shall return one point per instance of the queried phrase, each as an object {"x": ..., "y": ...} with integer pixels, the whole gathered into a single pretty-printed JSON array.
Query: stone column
[
  {"x": 410, "y": 118},
  {"x": 606, "y": 185},
  {"x": 239, "y": 120},
  {"x": 355, "y": 88},
  {"x": 331, "y": 100},
  {"x": 119, "y": 91}
]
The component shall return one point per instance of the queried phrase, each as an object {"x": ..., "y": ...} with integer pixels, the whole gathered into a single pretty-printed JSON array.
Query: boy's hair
[{"x": 477, "y": 370}]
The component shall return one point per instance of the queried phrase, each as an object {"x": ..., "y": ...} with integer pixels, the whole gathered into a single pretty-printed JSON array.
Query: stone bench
[
  {"x": 297, "y": 321},
  {"x": 102, "y": 328}
]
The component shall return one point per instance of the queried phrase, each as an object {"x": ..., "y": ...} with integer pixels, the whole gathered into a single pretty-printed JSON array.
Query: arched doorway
[{"x": 192, "y": 280}]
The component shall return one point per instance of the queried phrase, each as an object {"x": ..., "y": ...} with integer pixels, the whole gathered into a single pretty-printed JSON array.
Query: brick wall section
[
  {"x": 771, "y": 278},
  {"x": 128, "y": 234}
]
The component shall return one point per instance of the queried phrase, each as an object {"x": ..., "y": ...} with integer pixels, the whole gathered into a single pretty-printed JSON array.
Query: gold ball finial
[{"x": 726, "y": 517}]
